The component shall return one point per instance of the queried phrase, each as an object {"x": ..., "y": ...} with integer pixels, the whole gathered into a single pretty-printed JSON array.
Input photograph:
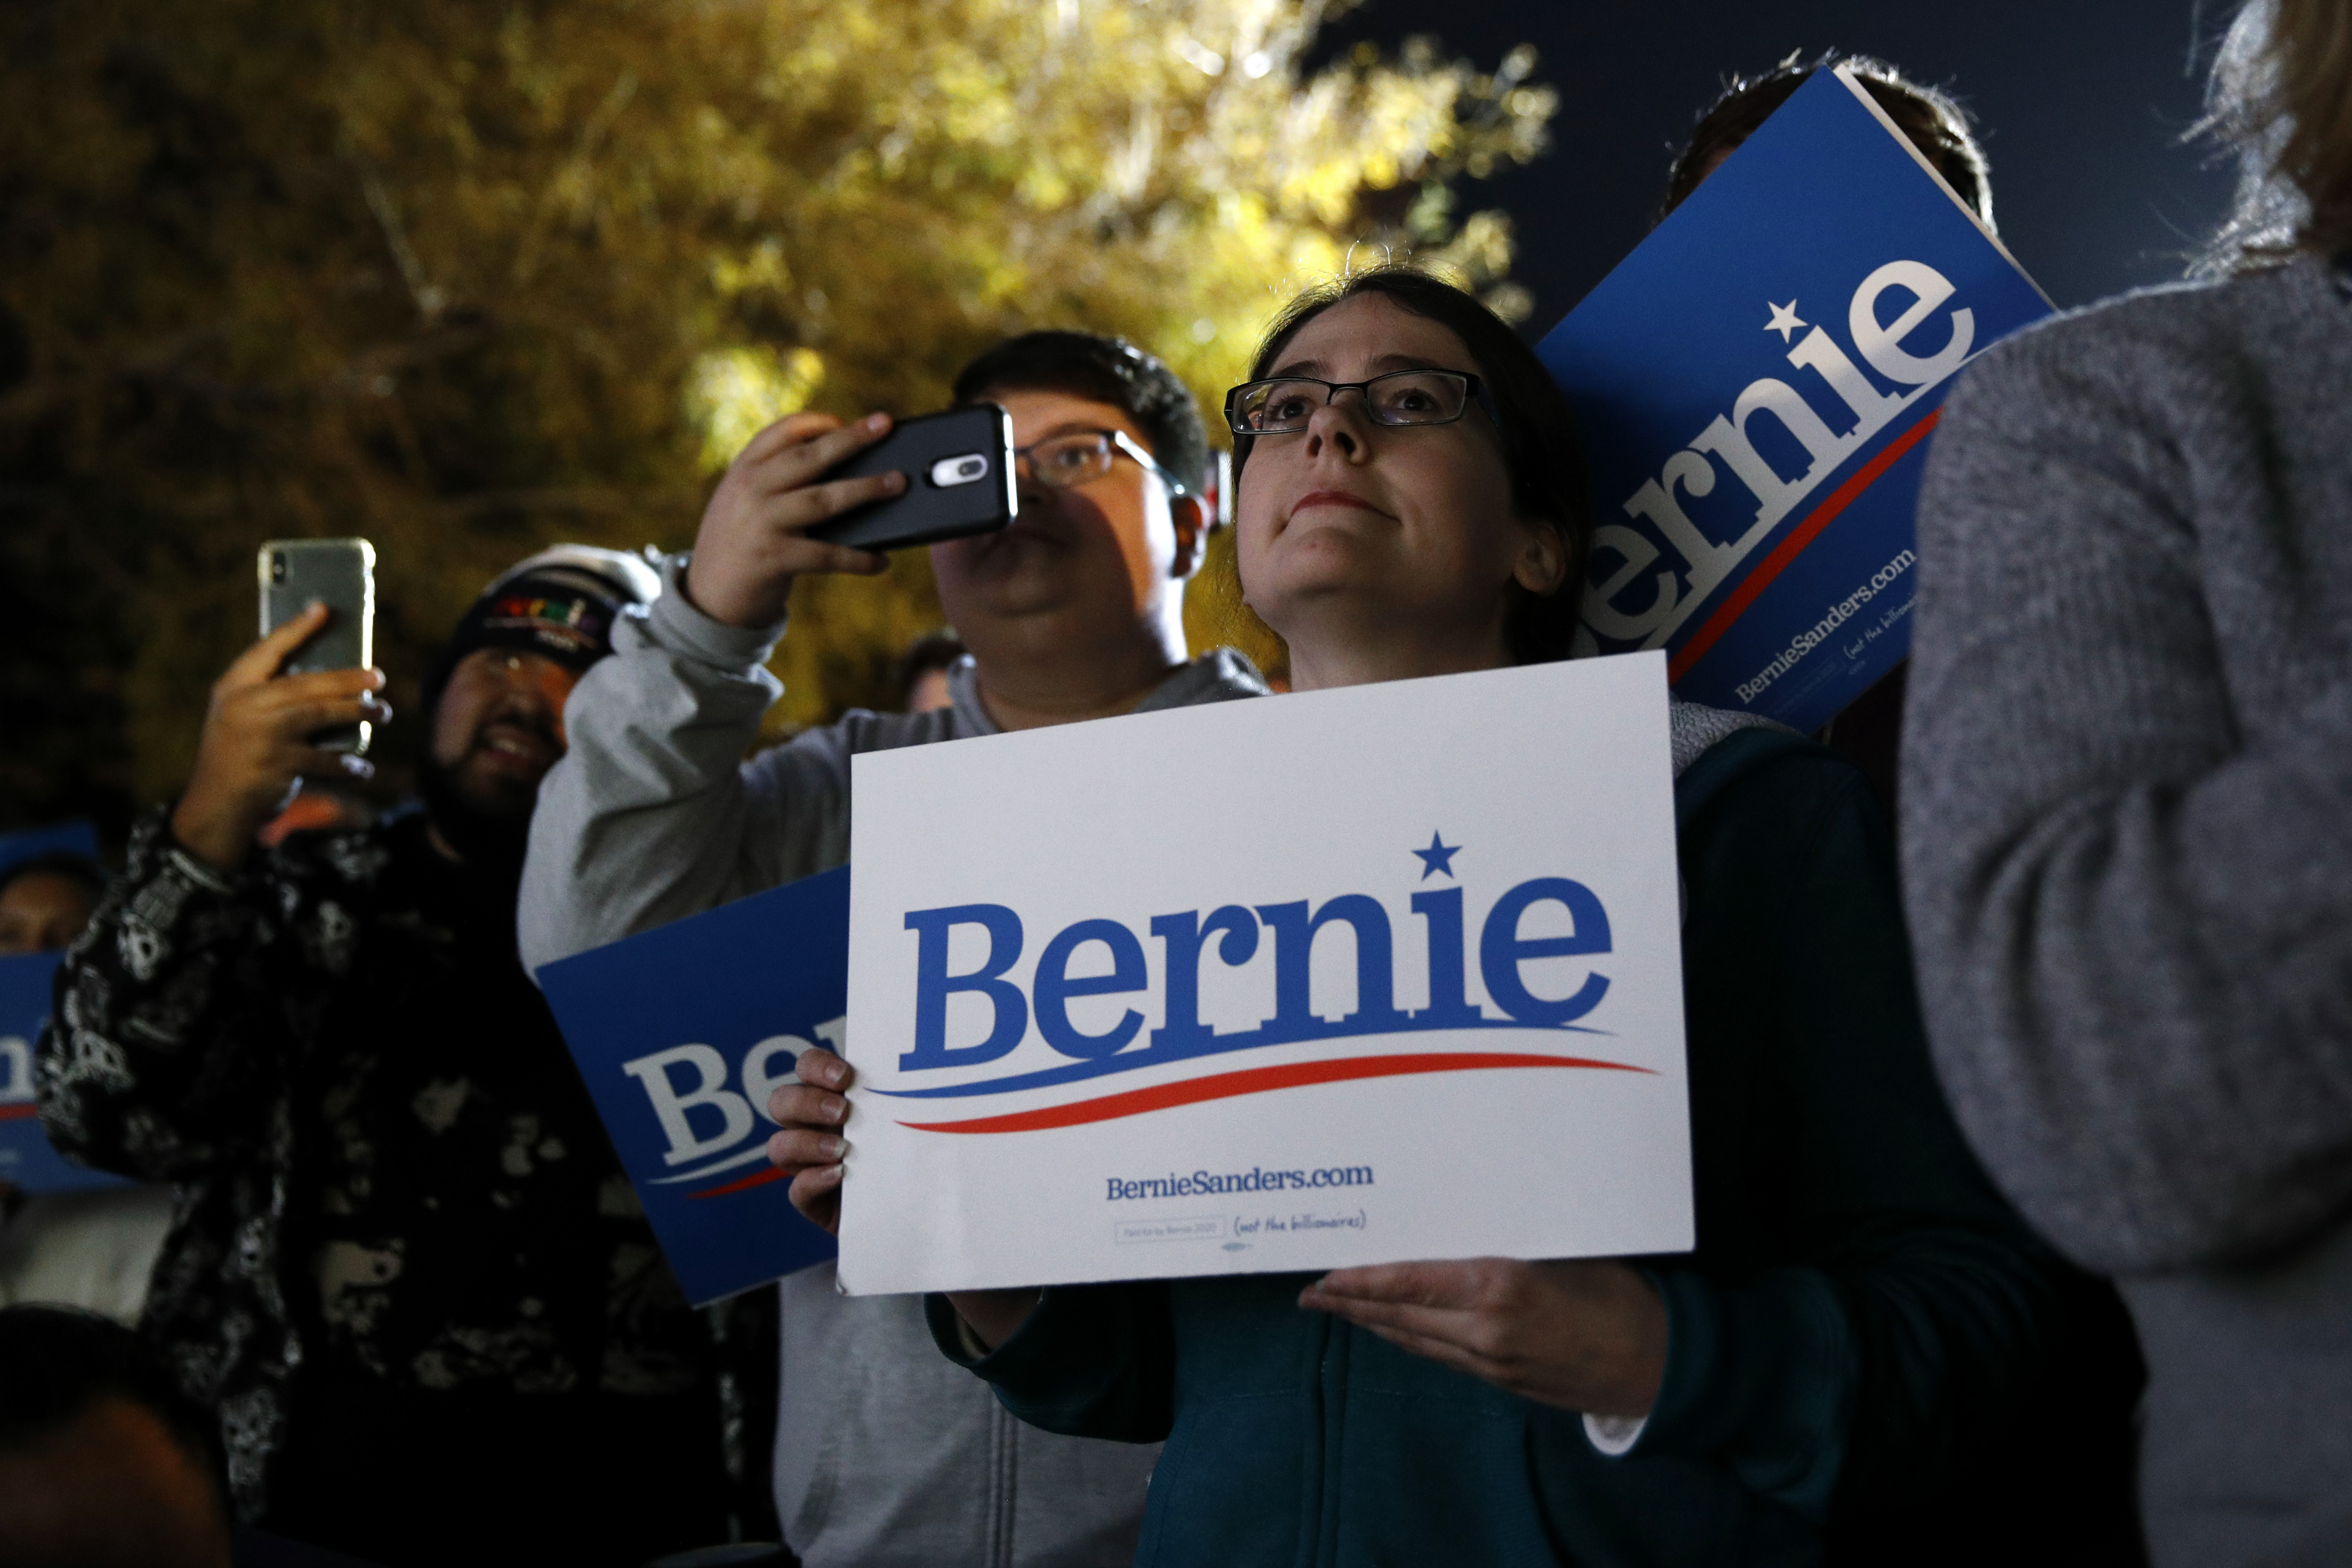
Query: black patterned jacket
[{"x": 357, "y": 1110}]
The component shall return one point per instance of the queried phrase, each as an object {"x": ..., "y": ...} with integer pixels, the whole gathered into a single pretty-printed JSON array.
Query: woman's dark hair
[
  {"x": 2280, "y": 100},
  {"x": 1541, "y": 451},
  {"x": 1931, "y": 118}
]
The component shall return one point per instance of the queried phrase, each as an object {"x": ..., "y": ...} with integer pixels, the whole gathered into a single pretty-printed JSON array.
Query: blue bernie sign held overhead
[
  {"x": 681, "y": 1033},
  {"x": 1757, "y": 384}
]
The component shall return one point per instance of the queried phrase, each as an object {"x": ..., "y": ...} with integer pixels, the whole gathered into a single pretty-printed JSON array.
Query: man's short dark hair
[
  {"x": 70, "y": 864},
  {"x": 1933, "y": 120},
  {"x": 56, "y": 1363},
  {"x": 1105, "y": 369}
]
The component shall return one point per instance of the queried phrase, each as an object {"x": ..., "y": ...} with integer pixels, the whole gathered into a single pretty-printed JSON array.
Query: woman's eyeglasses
[
  {"x": 1401, "y": 397},
  {"x": 1081, "y": 456}
]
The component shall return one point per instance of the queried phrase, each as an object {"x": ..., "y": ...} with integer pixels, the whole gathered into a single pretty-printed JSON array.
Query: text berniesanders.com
[
  {"x": 1839, "y": 614},
  {"x": 1251, "y": 1180}
]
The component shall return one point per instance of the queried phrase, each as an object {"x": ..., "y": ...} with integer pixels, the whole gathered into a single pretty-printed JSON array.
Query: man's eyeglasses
[
  {"x": 1081, "y": 456},
  {"x": 1401, "y": 397}
]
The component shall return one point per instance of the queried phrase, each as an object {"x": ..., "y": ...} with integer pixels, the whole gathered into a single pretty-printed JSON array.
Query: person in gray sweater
[
  {"x": 885, "y": 1454},
  {"x": 2128, "y": 817}
]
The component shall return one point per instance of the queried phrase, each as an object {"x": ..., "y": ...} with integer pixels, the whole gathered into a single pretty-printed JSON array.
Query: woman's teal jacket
[{"x": 1869, "y": 1359}]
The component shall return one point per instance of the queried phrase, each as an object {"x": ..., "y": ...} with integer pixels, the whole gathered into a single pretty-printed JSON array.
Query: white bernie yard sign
[{"x": 1342, "y": 977}]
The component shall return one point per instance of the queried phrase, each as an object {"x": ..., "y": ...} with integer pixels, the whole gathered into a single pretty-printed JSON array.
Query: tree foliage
[{"x": 467, "y": 279}]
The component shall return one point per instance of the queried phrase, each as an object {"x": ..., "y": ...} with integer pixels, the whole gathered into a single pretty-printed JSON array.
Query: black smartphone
[
  {"x": 340, "y": 573},
  {"x": 959, "y": 469}
]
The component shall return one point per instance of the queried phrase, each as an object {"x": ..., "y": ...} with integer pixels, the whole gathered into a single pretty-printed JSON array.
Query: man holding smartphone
[
  {"x": 405, "y": 1269},
  {"x": 885, "y": 1454}
]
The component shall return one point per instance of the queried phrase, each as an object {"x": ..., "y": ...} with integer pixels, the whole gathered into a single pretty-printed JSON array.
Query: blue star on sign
[{"x": 1437, "y": 857}]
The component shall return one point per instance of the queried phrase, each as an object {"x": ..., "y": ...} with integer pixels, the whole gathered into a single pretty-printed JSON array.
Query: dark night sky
[{"x": 2081, "y": 104}]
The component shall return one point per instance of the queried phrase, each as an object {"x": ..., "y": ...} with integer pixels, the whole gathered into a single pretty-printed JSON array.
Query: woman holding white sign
[{"x": 1864, "y": 1320}]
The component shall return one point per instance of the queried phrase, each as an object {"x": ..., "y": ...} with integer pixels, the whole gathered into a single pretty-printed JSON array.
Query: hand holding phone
[
  {"x": 960, "y": 481},
  {"x": 262, "y": 729},
  {"x": 753, "y": 538},
  {"x": 812, "y": 494}
]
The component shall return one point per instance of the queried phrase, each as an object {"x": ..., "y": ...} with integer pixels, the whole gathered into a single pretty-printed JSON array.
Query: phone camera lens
[
  {"x": 973, "y": 467},
  {"x": 277, "y": 566}
]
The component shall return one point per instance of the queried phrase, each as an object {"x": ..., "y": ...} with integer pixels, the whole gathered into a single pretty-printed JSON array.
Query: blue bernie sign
[
  {"x": 681, "y": 1033},
  {"x": 1756, "y": 385},
  {"x": 71, "y": 837},
  {"x": 25, "y": 1157}
]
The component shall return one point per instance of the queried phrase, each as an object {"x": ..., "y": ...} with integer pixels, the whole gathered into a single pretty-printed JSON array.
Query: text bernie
[
  {"x": 1115, "y": 964},
  {"x": 1630, "y": 613}
]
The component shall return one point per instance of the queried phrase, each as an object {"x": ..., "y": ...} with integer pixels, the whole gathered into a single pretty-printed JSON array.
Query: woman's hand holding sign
[
  {"x": 1588, "y": 1336},
  {"x": 810, "y": 1149}
]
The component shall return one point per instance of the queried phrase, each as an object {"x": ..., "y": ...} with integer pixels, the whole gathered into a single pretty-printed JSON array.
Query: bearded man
[{"x": 405, "y": 1269}]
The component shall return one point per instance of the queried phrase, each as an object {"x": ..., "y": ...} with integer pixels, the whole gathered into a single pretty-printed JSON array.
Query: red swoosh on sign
[
  {"x": 1257, "y": 1081},
  {"x": 1787, "y": 551},
  {"x": 12, "y": 1112},
  {"x": 749, "y": 1182}
]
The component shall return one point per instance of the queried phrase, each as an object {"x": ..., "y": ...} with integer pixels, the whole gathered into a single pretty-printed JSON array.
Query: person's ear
[
  {"x": 1191, "y": 518},
  {"x": 1542, "y": 565}
]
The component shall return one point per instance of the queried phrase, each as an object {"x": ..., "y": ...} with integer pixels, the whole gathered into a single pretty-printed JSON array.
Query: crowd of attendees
[{"x": 2021, "y": 1157}]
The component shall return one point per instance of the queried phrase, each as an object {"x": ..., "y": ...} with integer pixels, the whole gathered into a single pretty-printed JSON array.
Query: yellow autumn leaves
[{"x": 469, "y": 278}]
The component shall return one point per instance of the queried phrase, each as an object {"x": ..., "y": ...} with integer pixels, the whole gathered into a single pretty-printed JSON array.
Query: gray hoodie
[
  {"x": 2127, "y": 777},
  {"x": 885, "y": 1452}
]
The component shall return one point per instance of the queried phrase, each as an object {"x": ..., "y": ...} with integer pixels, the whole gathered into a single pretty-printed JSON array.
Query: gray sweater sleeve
[
  {"x": 2130, "y": 914},
  {"x": 653, "y": 814}
]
